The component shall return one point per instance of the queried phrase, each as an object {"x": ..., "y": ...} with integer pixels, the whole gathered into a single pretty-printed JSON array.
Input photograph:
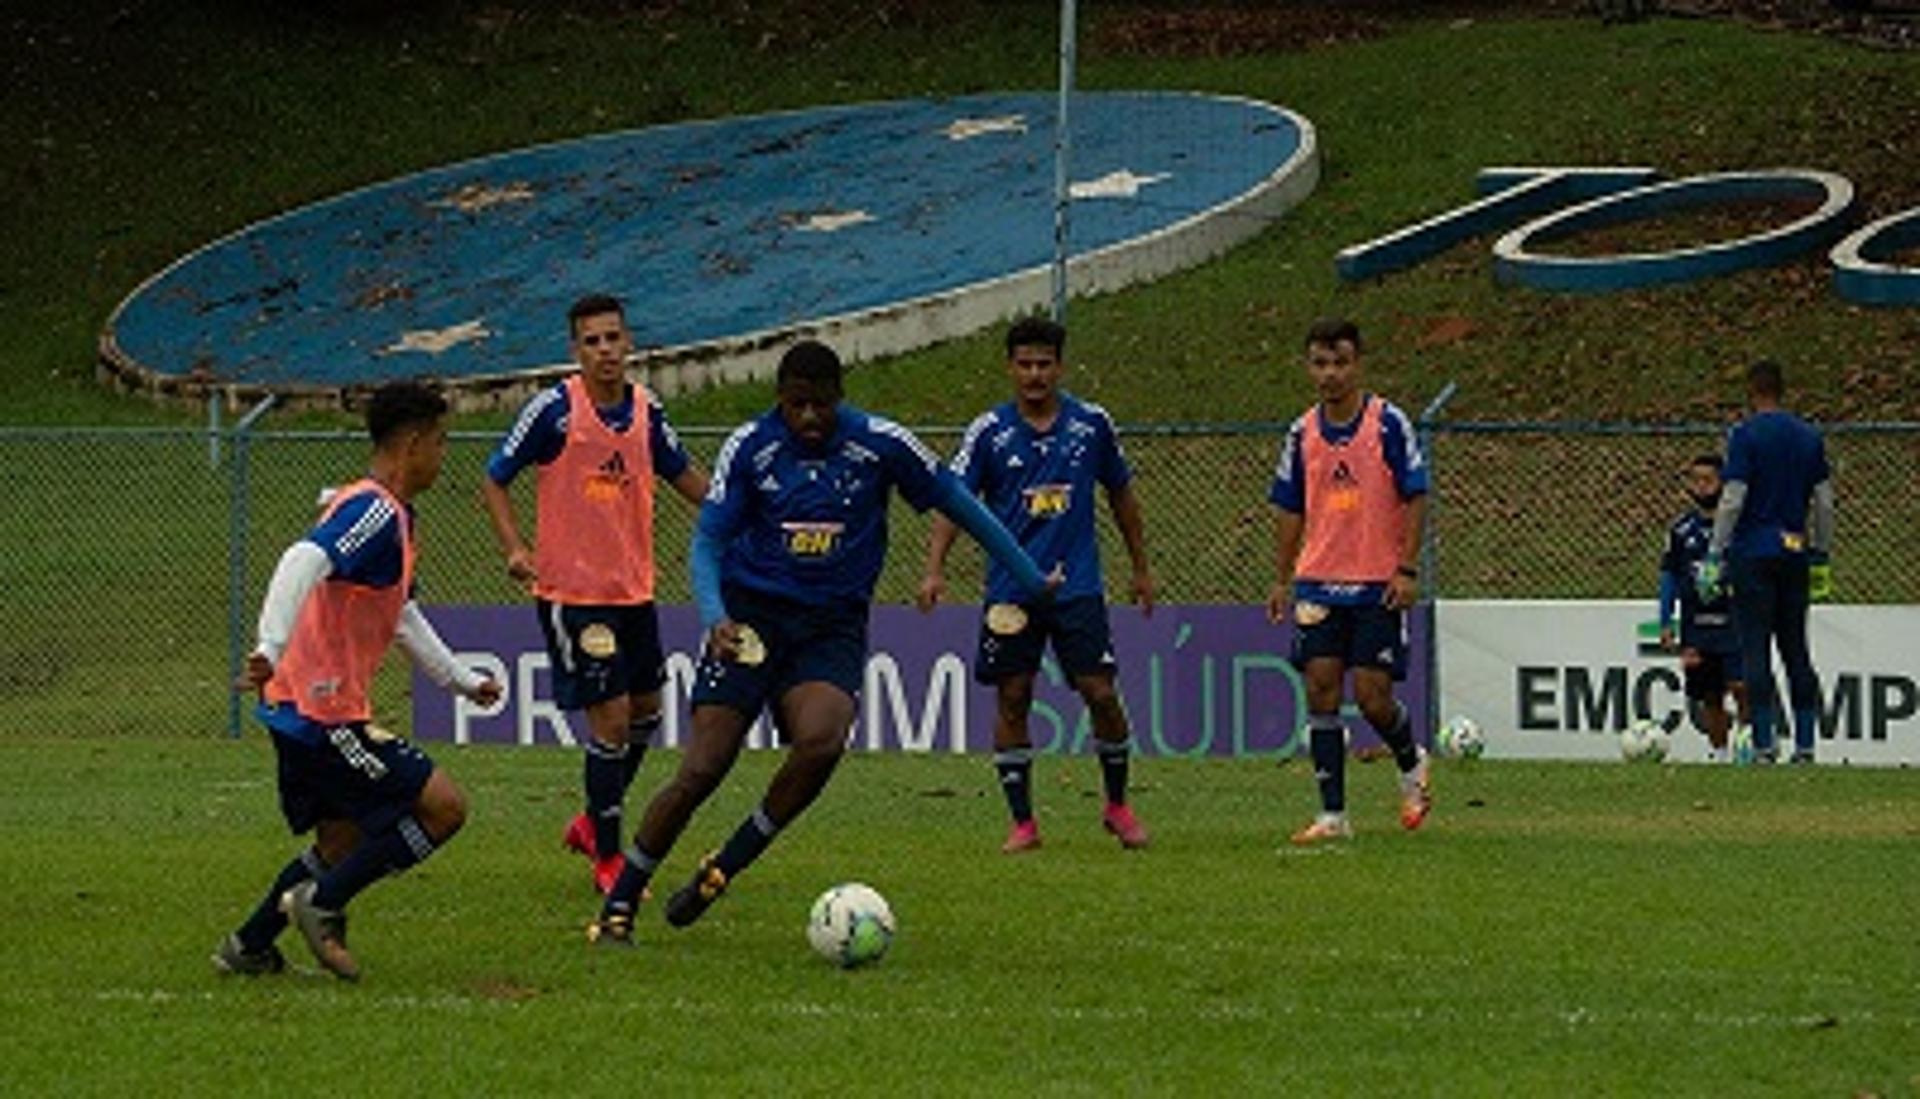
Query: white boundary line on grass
[{"x": 1575, "y": 1016}]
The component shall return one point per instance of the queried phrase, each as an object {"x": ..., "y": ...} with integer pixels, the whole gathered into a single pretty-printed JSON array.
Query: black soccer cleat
[
  {"x": 694, "y": 898},
  {"x": 611, "y": 929},
  {"x": 232, "y": 957}
]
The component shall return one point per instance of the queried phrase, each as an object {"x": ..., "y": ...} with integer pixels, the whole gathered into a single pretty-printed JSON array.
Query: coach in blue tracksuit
[{"x": 1775, "y": 527}]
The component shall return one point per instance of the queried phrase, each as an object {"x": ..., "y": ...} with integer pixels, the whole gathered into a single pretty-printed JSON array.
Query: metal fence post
[
  {"x": 1062, "y": 147},
  {"x": 1429, "y": 543},
  {"x": 237, "y": 527}
]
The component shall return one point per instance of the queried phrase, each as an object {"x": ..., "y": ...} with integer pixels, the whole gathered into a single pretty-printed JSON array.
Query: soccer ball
[
  {"x": 851, "y": 925},
  {"x": 1460, "y": 738},
  {"x": 1644, "y": 741}
]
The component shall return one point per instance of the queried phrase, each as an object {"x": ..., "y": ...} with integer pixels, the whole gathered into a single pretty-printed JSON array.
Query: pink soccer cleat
[
  {"x": 1025, "y": 836},
  {"x": 1119, "y": 819},
  {"x": 1416, "y": 795},
  {"x": 579, "y": 835}
]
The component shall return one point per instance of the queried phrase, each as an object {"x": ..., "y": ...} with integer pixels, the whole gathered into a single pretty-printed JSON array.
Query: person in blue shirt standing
[
  {"x": 1774, "y": 528},
  {"x": 1036, "y": 460},
  {"x": 788, "y": 547},
  {"x": 1701, "y": 630}
]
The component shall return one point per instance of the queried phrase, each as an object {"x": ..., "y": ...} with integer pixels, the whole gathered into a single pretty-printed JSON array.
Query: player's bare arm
[
  {"x": 691, "y": 484},
  {"x": 1133, "y": 531},
  {"x": 506, "y": 530},
  {"x": 1403, "y": 590},
  {"x": 1287, "y": 529},
  {"x": 933, "y": 584}
]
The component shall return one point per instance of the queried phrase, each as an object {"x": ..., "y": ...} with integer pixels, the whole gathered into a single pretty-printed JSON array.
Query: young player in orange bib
[
  {"x": 1350, "y": 491},
  {"x": 339, "y": 597},
  {"x": 597, "y": 443}
]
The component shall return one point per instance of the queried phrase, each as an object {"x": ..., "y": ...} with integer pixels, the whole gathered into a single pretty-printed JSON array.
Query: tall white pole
[{"x": 1061, "y": 150}]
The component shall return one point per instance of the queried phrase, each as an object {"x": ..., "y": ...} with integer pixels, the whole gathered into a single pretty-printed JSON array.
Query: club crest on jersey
[
  {"x": 812, "y": 539},
  {"x": 1047, "y": 501}
]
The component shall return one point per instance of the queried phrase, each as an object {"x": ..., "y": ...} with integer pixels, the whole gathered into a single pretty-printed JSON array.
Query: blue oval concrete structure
[
  {"x": 1860, "y": 271},
  {"x": 721, "y": 236},
  {"x": 1515, "y": 263}
]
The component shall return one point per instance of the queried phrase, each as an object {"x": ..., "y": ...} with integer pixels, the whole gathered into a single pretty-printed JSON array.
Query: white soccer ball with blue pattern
[
  {"x": 1644, "y": 741},
  {"x": 851, "y": 925},
  {"x": 1460, "y": 738}
]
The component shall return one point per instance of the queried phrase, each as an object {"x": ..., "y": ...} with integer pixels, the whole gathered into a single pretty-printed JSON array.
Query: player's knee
[
  {"x": 608, "y": 721},
  {"x": 334, "y": 840},
  {"x": 442, "y": 809},
  {"x": 820, "y": 748},
  {"x": 1098, "y": 692}
]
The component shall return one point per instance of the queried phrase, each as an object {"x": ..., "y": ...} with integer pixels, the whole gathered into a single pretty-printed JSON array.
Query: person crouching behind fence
[
  {"x": 339, "y": 597},
  {"x": 1351, "y": 486}
]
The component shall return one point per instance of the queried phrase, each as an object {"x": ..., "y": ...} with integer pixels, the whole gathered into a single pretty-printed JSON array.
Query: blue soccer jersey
[
  {"x": 1704, "y": 625},
  {"x": 1400, "y": 448},
  {"x": 811, "y": 525},
  {"x": 540, "y": 431},
  {"x": 1779, "y": 457},
  {"x": 362, "y": 542},
  {"x": 1040, "y": 484}
]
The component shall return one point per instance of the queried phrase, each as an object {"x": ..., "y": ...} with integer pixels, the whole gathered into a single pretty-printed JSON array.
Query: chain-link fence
[{"x": 122, "y": 575}]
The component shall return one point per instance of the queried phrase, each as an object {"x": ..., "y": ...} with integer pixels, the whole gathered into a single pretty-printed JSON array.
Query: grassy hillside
[{"x": 148, "y": 129}]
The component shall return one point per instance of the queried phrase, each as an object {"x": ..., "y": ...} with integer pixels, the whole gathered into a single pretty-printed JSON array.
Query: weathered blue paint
[
  {"x": 1508, "y": 197},
  {"x": 1514, "y": 263},
  {"x": 1861, "y": 271},
  {"x": 700, "y": 227}
]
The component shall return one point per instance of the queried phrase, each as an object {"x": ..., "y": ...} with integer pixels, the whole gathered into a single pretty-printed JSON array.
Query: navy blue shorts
[
  {"x": 1078, "y": 629},
  {"x": 1367, "y": 636},
  {"x": 805, "y": 644},
  {"x": 602, "y": 652},
  {"x": 349, "y": 775}
]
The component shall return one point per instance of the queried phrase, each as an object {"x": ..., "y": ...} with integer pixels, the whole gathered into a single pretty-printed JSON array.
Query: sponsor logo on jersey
[
  {"x": 813, "y": 539},
  {"x": 1047, "y": 501}
]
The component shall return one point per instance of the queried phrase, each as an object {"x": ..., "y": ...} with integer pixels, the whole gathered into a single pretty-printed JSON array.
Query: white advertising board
[{"x": 1560, "y": 679}]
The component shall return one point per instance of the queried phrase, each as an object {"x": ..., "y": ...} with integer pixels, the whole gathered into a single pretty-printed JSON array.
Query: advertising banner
[
  {"x": 1560, "y": 679},
  {"x": 1197, "y": 680}
]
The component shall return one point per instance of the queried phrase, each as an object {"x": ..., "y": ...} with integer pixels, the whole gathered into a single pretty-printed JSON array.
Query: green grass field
[{"x": 1557, "y": 929}]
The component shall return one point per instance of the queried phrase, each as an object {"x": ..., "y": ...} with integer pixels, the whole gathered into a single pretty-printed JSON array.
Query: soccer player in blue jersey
[
  {"x": 789, "y": 545},
  {"x": 339, "y": 597},
  {"x": 1701, "y": 630},
  {"x": 1774, "y": 529},
  {"x": 597, "y": 443},
  {"x": 1350, "y": 497},
  {"x": 1036, "y": 460}
]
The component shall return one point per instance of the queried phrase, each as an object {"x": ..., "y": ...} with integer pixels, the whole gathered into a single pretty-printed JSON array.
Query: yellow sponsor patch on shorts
[
  {"x": 1006, "y": 619},
  {"x": 597, "y": 641},
  {"x": 749, "y": 650}
]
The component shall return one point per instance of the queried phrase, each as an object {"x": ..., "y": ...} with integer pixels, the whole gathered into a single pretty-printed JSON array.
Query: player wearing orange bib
[
  {"x": 338, "y": 599},
  {"x": 1350, "y": 491},
  {"x": 597, "y": 443}
]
